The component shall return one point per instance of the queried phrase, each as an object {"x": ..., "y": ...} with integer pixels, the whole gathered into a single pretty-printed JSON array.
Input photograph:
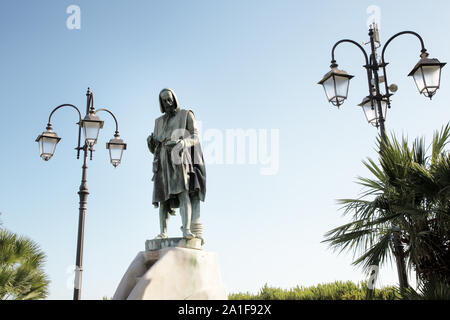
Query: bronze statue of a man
[{"x": 178, "y": 168}]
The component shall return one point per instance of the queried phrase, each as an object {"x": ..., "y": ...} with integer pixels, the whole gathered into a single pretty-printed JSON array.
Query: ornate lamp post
[
  {"x": 426, "y": 75},
  {"x": 90, "y": 125}
]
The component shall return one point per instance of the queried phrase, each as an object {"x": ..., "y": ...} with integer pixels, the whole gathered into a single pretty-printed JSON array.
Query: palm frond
[
  {"x": 409, "y": 190},
  {"x": 21, "y": 273}
]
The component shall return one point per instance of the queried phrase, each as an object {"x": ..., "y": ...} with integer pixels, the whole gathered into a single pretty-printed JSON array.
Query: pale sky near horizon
[{"x": 251, "y": 65}]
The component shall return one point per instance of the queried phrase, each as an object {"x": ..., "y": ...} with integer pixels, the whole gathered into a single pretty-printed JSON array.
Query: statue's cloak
[{"x": 175, "y": 171}]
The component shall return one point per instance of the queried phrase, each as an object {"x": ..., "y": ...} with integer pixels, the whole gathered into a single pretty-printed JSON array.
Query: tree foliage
[
  {"x": 21, "y": 268},
  {"x": 409, "y": 190},
  {"x": 337, "y": 290}
]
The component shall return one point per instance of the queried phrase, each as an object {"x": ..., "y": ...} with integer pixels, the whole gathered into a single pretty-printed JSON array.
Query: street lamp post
[
  {"x": 90, "y": 125},
  {"x": 426, "y": 75}
]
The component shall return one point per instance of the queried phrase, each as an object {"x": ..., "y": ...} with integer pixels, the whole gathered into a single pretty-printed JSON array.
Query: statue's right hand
[
  {"x": 151, "y": 143},
  {"x": 170, "y": 143}
]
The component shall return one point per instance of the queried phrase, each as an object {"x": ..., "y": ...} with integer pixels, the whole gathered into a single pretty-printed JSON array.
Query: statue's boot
[
  {"x": 187, "y": 234},
  {"x": 163, "y": 219},
  {"x": 185, "y": 213},
  {"x": 196, "y": 225}
]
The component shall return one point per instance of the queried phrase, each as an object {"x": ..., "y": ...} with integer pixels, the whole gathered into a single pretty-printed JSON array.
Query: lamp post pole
[
  {"x": 426, "y": 75},
  {"x": 91, "y": 125},
  {"x": 83, "y": 193},
  {"x": 375, "y": 91},
  {"x": 398, "y": 247}
]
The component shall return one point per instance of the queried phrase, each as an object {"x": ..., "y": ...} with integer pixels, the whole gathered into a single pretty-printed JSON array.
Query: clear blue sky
[{"x": 238, "y": 64}]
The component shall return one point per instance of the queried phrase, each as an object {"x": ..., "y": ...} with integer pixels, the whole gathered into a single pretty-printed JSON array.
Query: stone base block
[
  {"x": 172, "y": 274},
  {"x": 158, "y": 244}
]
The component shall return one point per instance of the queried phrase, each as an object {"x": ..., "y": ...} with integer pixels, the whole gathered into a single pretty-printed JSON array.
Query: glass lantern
[
  {"x": 116, "y": 147},
  {"x": 335, "y": 83},
  {"x": 370, "y": 108},
  {"x": 427, "y": 75},
  {"x": 91, "y": 126},
  {"x": 47, "y": 143}
]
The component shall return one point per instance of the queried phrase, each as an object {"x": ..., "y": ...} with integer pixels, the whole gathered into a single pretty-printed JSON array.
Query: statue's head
[{"x": 168, "y": 102}]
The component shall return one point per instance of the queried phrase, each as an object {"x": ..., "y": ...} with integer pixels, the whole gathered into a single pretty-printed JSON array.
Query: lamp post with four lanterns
[{"x": 426, "y": 74}]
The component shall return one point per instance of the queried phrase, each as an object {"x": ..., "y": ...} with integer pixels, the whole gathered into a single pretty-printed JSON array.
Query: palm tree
[
  {"x": 21, "y": 274},
  {"x": 408, "y": 197}
]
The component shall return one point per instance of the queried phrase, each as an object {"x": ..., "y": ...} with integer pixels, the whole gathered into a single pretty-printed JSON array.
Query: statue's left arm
[{"x": 191, "y": 126}]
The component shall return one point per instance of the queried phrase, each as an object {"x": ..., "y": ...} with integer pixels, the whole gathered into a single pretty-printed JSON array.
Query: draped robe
[{"x": 177, "y": 169}]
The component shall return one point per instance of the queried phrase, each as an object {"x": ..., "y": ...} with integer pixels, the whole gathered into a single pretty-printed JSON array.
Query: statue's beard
[{"x": 171, "y": 111}]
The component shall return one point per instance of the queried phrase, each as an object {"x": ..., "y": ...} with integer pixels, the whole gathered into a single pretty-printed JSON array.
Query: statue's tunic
[{"x": 186, "y": 172}]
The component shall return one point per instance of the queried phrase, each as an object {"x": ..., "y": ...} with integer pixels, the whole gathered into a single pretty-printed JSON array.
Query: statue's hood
[{"x": 161, "y": 106}]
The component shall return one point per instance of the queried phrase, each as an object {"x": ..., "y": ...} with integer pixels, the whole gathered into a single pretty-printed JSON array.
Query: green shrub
[{"x": 338, "y": 290}]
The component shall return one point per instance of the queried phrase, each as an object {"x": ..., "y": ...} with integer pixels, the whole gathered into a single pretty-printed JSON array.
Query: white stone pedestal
[{"x": 172, "y": 273}]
